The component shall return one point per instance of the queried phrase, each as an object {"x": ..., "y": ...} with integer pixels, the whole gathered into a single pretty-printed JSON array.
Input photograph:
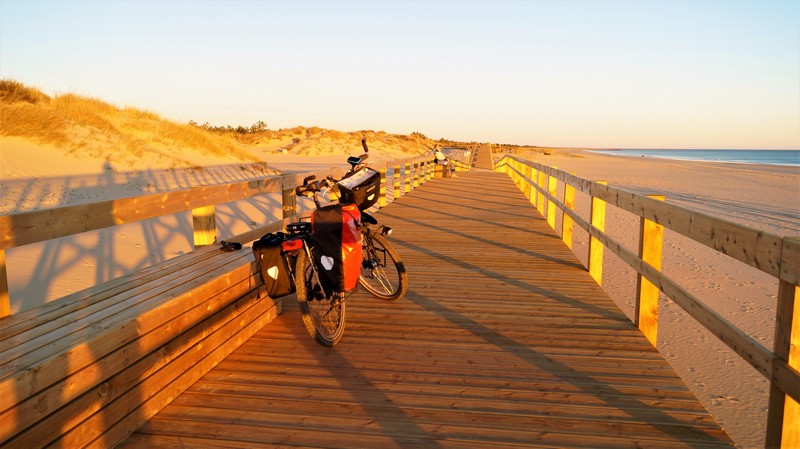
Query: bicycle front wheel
[
  {"x": 323, "y": 315},
  {"x": 382, "y": 272}
]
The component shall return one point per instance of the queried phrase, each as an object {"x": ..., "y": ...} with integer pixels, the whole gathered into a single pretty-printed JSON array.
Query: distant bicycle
[{"x": 321, "y": 289}]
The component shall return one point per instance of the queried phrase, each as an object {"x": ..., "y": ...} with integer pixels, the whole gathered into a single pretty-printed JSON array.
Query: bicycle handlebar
[
  {"x": 310, "y": 186},
  {"x": 303, "y": 190}
]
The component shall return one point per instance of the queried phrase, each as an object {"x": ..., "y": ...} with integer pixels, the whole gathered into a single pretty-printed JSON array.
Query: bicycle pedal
[{"x": 318, "y": 294}]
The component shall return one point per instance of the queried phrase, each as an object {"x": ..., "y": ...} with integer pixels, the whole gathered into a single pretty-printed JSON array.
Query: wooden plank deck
[{"x": 503, "y": 340}]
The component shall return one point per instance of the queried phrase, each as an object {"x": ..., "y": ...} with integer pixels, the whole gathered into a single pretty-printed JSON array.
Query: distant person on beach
[{"x": 441, "y": 159}]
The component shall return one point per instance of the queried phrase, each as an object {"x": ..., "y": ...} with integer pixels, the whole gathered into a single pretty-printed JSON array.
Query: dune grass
[
  {"x": 80, "y": 125},
  {"x": 74, "y": 123}
]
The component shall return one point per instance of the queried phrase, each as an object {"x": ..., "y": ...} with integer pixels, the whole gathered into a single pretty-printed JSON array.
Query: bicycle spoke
[{"x": 382, "y": 273}]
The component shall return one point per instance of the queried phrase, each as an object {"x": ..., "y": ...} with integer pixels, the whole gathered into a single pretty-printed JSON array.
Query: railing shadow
[
  {"x": 58, "y": 267},
  {"x": 395, "y": 422},
  {"x": 485, "y": 271},
  {"x": 583, "y": 382}
]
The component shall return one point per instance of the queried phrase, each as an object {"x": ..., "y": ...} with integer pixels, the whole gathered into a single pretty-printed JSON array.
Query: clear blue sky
[{"x": 592, "y": 73}]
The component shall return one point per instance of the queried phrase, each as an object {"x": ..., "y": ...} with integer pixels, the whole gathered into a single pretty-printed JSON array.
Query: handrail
[
  {"x": 774, "y": 255},
  {"x": 42, "y": 225}
]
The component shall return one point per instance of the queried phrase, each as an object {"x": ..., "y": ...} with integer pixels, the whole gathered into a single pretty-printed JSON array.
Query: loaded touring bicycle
[{"x": 326, "y": 259}]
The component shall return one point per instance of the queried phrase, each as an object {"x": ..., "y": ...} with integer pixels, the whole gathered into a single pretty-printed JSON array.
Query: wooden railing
[
  {"x": 774, "y": 255},
  {"x": 38, "y": 226}
]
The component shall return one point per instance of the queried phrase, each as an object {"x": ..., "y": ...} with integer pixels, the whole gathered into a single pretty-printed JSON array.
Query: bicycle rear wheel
[
  {"x": 382, "y": 272},
  {"x": 323, "y": 316}
]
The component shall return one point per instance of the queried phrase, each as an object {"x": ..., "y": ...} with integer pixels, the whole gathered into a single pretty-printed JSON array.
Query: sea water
[{"x": 770, "y": 157}]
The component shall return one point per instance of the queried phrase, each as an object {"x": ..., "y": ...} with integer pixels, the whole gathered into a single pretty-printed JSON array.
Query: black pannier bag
[
  {"x": 271, "y": 252},
  {"x": 337, "y": 246},
  {"x": 361, "y": 188}
]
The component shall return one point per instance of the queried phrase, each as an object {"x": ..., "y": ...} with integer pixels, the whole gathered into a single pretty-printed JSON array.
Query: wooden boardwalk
[{"x": 503, "y": 340}]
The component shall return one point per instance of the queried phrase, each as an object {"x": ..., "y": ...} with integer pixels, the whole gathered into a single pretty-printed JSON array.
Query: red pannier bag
[{"x": 337, "y": 246}]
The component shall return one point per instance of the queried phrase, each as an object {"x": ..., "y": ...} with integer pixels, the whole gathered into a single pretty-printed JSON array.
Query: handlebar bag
[
  {"x": 361, "y": 188},
  {"x": 272, "y": 253},
  {"x": 337, "y": 246}
]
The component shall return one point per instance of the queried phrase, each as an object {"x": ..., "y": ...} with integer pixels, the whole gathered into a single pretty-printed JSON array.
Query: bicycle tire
[
  {"x": 377, "y": 277},
  {"x": 324, "y": 318}
]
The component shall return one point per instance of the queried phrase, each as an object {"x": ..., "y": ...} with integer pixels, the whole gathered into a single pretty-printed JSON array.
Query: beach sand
[{"x": 768, "y": 198}]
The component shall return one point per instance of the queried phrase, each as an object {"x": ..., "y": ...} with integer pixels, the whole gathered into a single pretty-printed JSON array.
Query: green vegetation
[{"x": 257, "y": 127}]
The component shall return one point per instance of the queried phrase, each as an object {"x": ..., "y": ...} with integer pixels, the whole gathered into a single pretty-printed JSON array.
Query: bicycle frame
[{"x": 304, "y": 235}]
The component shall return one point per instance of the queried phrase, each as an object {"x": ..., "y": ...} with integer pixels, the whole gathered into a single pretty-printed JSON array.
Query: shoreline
[{"x": 611, "y": 152}]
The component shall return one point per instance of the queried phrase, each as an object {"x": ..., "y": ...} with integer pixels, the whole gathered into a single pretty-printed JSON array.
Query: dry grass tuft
[
  {"x": 15, "y": 92},
  {"x": 30, "y": 121},
  {"x": 86, "y": 112}
]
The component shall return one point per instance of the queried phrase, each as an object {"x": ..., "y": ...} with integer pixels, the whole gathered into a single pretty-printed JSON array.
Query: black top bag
[{"x": 361, "y": 188}]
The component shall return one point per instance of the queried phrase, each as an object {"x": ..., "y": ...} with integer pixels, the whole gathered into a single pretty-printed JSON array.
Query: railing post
[
  {"x": 396, "y": 182},
  {"x": 534, "y": 192},
  {"x": 598, "y": 214},
  {"x": 5, "y": 299},
  {"x": 552, "y": 187},
  {"x": 429, "y": 167},
  {"x": 204, "y": 224},
  {"x": 407, "y": 177},
  {"x": 540, "y": 193},
  {"x": 517, "y": 179},
  {"x": 382, "y": 194},
  {"x": 783, "y": 415},
  {"x": 416, "y": 174},
  {"x": 288, "y": 199},
  {"x": 645, "y": 310},
  {"x": 567, "y": 223},
  {"x": 529, "y": 173}
]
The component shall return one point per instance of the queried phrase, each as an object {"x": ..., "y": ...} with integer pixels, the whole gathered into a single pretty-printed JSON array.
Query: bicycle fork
[{"x": 316, "y": 289}]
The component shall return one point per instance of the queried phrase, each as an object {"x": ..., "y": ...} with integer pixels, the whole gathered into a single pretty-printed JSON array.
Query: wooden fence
[
  {"x": 38, "y": 226},
  {"x": 774, "y": 255}
]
